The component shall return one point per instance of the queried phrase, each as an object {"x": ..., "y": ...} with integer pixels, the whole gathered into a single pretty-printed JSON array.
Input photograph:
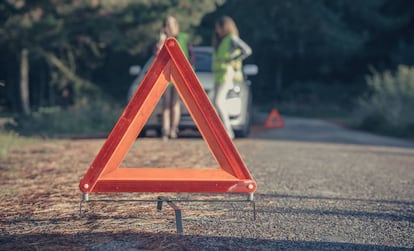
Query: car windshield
[{"x": 202, "y": 61}]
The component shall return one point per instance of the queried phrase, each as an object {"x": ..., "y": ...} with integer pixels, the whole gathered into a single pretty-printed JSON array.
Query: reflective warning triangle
[
  {"x": 105, "y": 174},
  {"x": 274, "y": 120}
]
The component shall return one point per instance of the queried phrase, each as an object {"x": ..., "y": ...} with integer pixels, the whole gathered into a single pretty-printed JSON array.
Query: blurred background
[{"x": 64, "y": 63}]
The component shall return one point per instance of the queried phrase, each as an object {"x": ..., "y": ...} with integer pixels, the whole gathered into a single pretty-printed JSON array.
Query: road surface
[{"x": 320, "y": 187}]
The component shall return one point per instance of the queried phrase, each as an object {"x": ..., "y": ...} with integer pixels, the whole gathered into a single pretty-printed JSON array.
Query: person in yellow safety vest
[
  {"x": 171, "y": 106},
  {"x": 229, "y": 51}
]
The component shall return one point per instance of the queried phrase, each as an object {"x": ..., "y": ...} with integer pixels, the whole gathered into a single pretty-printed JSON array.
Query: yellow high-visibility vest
[
  {"x": 182, "y": 39},
  {"x": 222, "y": 59}
]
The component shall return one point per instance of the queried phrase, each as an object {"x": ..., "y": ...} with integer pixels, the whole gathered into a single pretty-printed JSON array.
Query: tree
[
  {"x": 77, "y": 37},
  {"x": 302, "y": 40},
  {"x": 24, "y": 81}
]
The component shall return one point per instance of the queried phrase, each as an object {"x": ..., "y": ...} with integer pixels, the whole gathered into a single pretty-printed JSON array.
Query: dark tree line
[
  {"x": 300, "y": 41},
  {"x": 59, "y": 52},
  {"x": 66, "y": 51}
]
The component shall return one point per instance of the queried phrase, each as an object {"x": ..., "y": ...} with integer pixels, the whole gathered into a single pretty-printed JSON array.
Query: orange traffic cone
[{"x": 274, "y": 120}]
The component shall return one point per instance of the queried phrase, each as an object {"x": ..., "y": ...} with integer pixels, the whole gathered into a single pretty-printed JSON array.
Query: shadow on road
[
  {"x": 384, "y": 209},
  {"x": 165, "y": 241}
]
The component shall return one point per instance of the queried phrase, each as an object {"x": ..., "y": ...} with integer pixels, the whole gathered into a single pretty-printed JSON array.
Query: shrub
[
  {"x": 96, "y": 118},
  {"x": 317, "y": 99},
  {"x": 389, "y": 106}
]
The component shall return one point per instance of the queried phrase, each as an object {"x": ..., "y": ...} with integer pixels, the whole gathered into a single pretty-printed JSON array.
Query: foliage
[
  {"x": 91, "y": 119},
  {"x": 307, "y": 40},
  {"x": 389, "y": 106},
  {"x": 70, "y": 41}
]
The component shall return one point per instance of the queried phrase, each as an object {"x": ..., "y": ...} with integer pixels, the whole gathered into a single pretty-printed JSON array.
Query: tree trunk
[
  {"x": 79, "y": 83},
  {"x": 24, "y": 81}
]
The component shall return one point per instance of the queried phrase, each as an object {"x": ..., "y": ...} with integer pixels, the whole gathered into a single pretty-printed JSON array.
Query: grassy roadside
[
  {"x": 92, "y": 119},
  {"x": 9, "y": 140},
  {"x": 331, "y": 113}
]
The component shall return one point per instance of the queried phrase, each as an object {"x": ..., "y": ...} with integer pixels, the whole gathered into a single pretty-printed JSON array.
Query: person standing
[
  {"x": 171, "y": 105},
  {"x": 229, "y": 52}
]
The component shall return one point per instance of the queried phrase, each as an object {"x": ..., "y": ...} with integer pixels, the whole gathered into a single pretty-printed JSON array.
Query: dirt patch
[{"x": 39, "y": 200}]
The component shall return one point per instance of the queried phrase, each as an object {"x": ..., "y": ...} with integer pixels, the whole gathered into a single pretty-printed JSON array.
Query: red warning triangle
[
  {"x": 105, "y": 174},
  {"x": 274, "y": 120}
]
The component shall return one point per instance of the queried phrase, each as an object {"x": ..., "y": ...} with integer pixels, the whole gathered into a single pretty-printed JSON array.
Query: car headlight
[{"x": 237, "y": 89}]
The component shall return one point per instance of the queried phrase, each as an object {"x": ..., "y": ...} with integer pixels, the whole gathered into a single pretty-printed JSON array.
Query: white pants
[
  {"x": 220, "y": 97},
  {"x": 171, "y": 111}
]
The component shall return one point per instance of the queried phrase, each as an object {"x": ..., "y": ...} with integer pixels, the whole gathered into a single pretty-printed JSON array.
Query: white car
[{"x": 239, "y": 99}]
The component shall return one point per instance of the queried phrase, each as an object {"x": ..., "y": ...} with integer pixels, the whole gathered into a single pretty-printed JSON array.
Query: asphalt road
[
  {"x": 313, "y": 130},
  {"x": 320, "y": 187},
  {"x": 328, "y": 187}
]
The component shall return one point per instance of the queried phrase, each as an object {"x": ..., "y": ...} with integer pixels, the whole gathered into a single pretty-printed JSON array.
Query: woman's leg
[
  {"x": 175, "y": 113},
  {"x": 166, "y": 112},
  {"x": 221, "y": 91}
]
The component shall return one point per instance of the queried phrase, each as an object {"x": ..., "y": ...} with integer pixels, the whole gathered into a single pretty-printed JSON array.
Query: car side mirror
[
  {"x": 134, "y": 70},
  {"x": 250, "y": 69}
]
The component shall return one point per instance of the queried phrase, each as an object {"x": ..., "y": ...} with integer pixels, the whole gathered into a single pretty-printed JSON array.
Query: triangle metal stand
[{"x": 170, "y": 202}]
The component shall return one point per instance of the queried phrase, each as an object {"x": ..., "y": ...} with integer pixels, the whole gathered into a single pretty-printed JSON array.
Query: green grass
[
  {"x": 79, "y": 120},
  {"x": 388, "y": 107},
  {"x": 328, "y": 112},
  {"x": 9, "y": 140}
]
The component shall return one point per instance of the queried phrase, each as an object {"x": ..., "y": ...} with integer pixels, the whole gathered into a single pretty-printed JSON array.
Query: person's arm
[
  {"x": 245, "y": 50},
  {"x": 191, "y": 53},
  {"x": 160, "y": 42}
]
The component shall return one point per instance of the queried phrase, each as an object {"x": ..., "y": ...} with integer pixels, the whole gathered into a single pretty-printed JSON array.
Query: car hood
[{"x": 205, "y": 78}]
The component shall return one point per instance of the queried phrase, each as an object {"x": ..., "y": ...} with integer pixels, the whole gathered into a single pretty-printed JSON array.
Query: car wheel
[
  {"x": 143, "y": 133},
  {"x": 158, "y": 132}
]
